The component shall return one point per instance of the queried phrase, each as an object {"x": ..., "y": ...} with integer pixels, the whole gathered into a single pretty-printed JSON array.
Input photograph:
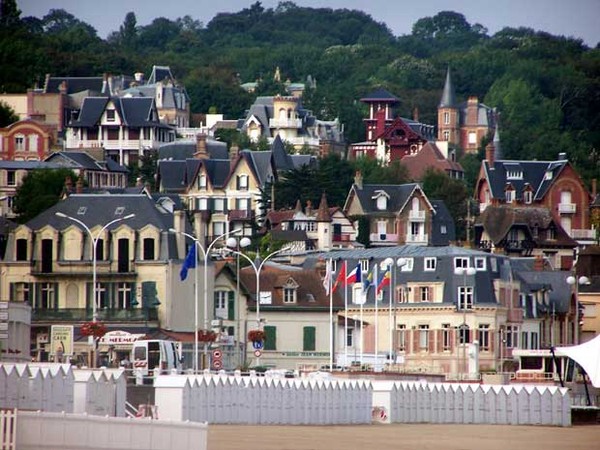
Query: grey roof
[
  {"x": 553, "y": 281},
  {"x": 378, "y": 95},
  {"x": 172, "y": 96},
  {"x": 91, "y": 111},
  {"x": 184, "y": 149},
  {"x": 135, "y": 112},
  {"x": 217, "y": 171},
  {"x": 82, "y": 160},
  {"x": 173, "y": 175},
  {"x": 486, "y": 116},
  {"x": 283, "y": 161},
  {"x": 262, "y": 164},
  {"x": 533, "y": 174},
  {"x": 74, "y": 84},
  {"x": 398, "y": 196},
  {"x": 484, "y": 292},
  {"x": 442, "y": 218},
  {"x": 27, "y": 165},
  {"x": 448, "y": 99},
  {"x": 160, "y": 73}
]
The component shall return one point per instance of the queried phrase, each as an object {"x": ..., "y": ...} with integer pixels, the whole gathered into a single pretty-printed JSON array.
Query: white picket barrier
[{"x": 41, "y": 430}]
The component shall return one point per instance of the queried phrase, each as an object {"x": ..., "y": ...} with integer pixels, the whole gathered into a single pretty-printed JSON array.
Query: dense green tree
[
  {"x": 7, "y": 115},
  {"x": 40, "y": 189}
]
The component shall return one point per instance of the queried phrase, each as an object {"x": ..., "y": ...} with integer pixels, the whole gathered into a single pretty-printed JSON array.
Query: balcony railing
[
  {"x": 417, "y": 238},
  {"x": 285, "y": 123},
  {"x": 383, "y": 237},
  {"x": 104, "y": 315},
  {"x": 567, "y": 208},
  {"x": 416, "y": 215},
  {"x": 583, "y": 234}
]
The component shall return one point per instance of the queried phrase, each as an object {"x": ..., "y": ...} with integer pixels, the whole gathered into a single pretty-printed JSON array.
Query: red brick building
[{"x": 26, "y": 140}]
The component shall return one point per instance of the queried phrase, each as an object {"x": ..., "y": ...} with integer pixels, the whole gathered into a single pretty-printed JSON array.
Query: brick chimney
[
  {"x": 358, "y": 179},
  {"x": 79, "y": 184},
  {"x": 490, "y": 153},
  {"x": 472, "y": 106},
  {"x": 201, "y": 149},
  {"x": 234, "y": 152}
]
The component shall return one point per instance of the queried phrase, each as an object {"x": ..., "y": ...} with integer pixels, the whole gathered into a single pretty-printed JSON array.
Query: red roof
[{"x": 428, "y": 157}]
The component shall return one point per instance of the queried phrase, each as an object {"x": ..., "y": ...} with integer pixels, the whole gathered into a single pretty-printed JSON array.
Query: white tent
[{"x": 587, "y": 355}]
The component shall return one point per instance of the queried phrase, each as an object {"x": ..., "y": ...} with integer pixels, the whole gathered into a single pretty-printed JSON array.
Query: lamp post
[
  {"x": 205, "y": 254},
  {"x": 576, "y": 282},
  {"x": 257, "y": 270},
  {"x": 389, "y": 264},
  {"x": 464, "y": 271},
  {"x": 94, "y": 242},
  {"x": 234, "y": 243}
]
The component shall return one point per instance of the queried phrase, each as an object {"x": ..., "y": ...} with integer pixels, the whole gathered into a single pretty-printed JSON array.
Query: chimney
[
  {"x": 472, "y": 111},
  {"x": 62, "y": 88},
  {"x": 179, "y": 225},
  {"x": 594, "y": 189},
  {"x": 489, "y": 154},
  {"x": 138, "y": 182},
  {"x": 416, "y": 114},
  {"x": 234, "y": 152},
  {"x": 562, "y": 156},
  {"x": 201, "y": 150},
  {"x": 358, "y": 179},
  {"x": 68, "y": 184},
  {"x": 538, "y": 264},
  {"x": 308, "y": 210},
  {"x": 139, "y": 77}
]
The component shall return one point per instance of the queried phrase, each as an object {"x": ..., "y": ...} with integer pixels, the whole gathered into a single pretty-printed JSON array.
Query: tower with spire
[{"x": 448, "y": 114}]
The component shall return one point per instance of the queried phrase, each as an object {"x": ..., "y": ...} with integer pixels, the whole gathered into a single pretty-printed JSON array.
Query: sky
[{"x": 573, "y": 18}]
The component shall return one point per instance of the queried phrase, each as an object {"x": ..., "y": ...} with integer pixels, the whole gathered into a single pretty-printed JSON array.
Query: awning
[{"x": 587, "y": 355}]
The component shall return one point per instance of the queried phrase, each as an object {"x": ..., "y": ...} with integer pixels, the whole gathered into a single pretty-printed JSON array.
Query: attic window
[
  {"x": 514, "y": 174},
  {"x": 528, "y": 197},
  {"x": 119, "y": 211},
  {"x": 110, "y": 115},
  {"x": 548, "y": 175},
  {"x": 202, "y": 182},
  {"x": 289, "y": 295},
  {"x": 82, "y": 210}
]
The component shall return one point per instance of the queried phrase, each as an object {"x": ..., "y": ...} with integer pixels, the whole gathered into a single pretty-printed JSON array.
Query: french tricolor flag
[{"x": 355, "y": 275}]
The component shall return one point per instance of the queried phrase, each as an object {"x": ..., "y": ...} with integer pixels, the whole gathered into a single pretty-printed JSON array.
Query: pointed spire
[
  {"x": 448, "y": 98},
  {"x": 496, "y": 142},
  {"x": 323, "y": 211},
  {"x": 298, "y": 206}
]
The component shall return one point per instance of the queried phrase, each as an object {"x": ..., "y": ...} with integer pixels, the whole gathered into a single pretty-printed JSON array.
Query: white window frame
[
  {"x": 443, "y": 229},
  {"x": 401, "y": 337},
  {"x": 423, "y": 337},
  {"x": 484, "y": 336},
  {"x": 219, "y": 204},
  {"x": 462, "y": 262},
  {"x": 289, "y": 295},
  {"x": 465, "y": 298},
  {"x": 446, "y": 337},
  {"x": 509, "y": 195},
  {"x": 528, "y": 197},
  {"x": 20, "y": 142},
  {"x": 425, "y": 294},
  {"x": 364, "y": 265},
  {"x": 480, "y": 263},
  {"x": 202, "y": 182},
  {"x": 244, "y": 182},
  {"x": 203, "y": 204},
  {"x": 221, "y": 298},
  {"x": 494, "y": 264},
  {"x": 430, "y": 264},
  {"x": 408, "y": 267},
  {"x": 472, "y": 137},
  {"x": 446, "y": 118}
]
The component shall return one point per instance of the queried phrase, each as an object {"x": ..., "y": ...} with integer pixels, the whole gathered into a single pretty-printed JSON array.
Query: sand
[{"x": 400, "y": 436}]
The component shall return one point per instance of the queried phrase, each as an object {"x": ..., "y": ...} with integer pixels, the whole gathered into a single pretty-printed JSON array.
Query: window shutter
[
  {"x": 231, "y": 305},
  {"x": 270, "y": 338},
  {"x": 237, "y": 182},
  {"x": 55, "y": 306},
  {"x": 309, "y": 339}
]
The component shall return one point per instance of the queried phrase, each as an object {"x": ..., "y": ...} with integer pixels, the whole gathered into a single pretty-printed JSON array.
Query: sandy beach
[{"x": 400, "y": 436}]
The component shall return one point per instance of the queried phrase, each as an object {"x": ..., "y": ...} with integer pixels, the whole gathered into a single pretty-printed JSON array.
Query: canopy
[{"x": 587, "y": 355}]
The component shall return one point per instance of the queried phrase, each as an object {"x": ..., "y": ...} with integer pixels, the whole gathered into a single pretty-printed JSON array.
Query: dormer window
[
  {"x": 110, "y": 115},
  {"x": 509, "y": 195},
  {"x": 290, "y": 290},
  {"x": 548, "y": 175},
  {"x": 242, "y": 182},
  {"x": 202, "y": 182},
  {"x": 528, "y": 197},
  {"x": 381, "y": 200}
]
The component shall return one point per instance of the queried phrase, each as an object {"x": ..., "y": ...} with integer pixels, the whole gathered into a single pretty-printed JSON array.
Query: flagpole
[
  {"x": 361, "y": 333},
  {"x": 391, "y": 337},
  {"x": 345, "y": 317},
  {"x": 196, "y": 293},
  {"x": 328, "y": 273},
  {"x": 376, "y": 319}
]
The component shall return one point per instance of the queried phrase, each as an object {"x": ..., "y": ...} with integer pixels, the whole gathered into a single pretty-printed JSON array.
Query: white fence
[
  {"x": 58, "y": 388},
  {"x": 39, "y": 431},
  {"x": 263, "y": 400},
  {"x": 421, "y": 402}
]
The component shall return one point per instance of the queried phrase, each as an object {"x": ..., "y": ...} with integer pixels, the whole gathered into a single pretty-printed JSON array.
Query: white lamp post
[
  {"x": 576, "y": 282},
  {"x": 257, "y": 270},
  {"x": 233, "y": 243},
  {"x": 389, "y": 264},
  {"x": 205, "y": 254},
  {"x": 94, "y": 242},
  {"x": 464, "y": 271}
]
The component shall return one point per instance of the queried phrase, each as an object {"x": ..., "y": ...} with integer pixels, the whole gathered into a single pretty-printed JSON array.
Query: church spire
[
  {"x": 496, "y": 142},
  {"x": 448, "y": 98}
]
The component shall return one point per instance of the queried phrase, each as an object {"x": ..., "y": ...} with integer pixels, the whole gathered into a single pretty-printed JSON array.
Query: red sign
[
  {"x": 217, "y": 364},
  {"x": 217, "y": 354}
]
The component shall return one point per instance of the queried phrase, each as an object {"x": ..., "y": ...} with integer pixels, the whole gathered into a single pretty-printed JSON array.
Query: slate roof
[
  {"x": 380, "y": 94},
  {"x": 429, "y": 156},
  {"x": 398, "y": 194},
  {"x": 27, "y": 165},
  {"x": 135, "y": 112},
  {"x": 82, "y": 160},
  {"x": 184, "y": 149},
  {"x": 533, "y": 173},
  {"x": 484, "y": 292},
  {"x": 555, "y": 281},
  {"x": 442, "y": 217},
  {"x": 74, "y": 84},
  {"x": 448, "y": 99}
]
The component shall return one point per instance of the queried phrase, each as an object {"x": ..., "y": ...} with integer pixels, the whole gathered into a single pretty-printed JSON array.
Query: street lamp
[
  {"x": 234, "y": 243},
  {"x": 205, "y": 254},
  {"x": 464, "y": 271},
  {"x": 576, "y": 282},
  {"x": 389, "y": 264},
  {"x": 257, "y": 270},
  {"x": 94, "y": 241}
]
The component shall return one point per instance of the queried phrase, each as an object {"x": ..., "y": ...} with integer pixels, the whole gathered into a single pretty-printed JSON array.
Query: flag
[
  {"x": 189, "y": 263},
  {"x": 340, "y": 278},
  {"x": 384, "y": 281},
  {"x": 368, "y": 281},
  {"x": 327, "y": 279},
  {"x": 354, "y": 276}
]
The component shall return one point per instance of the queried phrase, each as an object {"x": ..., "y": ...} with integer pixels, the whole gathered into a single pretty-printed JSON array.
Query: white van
[{"x": 147, "y": 356}]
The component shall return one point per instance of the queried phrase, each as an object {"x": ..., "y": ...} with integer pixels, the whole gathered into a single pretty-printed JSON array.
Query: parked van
[{"x": 147, "y": 356}]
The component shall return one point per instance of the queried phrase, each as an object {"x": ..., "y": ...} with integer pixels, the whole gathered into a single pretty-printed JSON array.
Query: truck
[{"x": 156, "y": 356}]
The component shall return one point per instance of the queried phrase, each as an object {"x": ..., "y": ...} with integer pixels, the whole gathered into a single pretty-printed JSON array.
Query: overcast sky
[{"x": 576, "y": 18}]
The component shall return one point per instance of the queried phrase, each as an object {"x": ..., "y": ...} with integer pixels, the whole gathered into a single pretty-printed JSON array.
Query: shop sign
[{"x": 119, "y": 337}]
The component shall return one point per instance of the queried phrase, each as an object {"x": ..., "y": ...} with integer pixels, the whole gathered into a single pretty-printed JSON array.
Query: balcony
[
  {"x": 104, "y": 315},
  {"x": 567, "y": 208},
  {"x": 421, "y": 239},
  {"x": 583, "y": 234},
  {"x": 416, "y": 215},
  {"x": 385, "y": 238},
  {"x": 285, "y": 123}
]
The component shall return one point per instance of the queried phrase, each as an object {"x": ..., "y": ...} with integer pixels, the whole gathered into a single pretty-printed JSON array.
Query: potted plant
[
  {"x": 256, "y": 335},
  {"x": 95, "y": 329},
  {"x": 207, "y": 336}
]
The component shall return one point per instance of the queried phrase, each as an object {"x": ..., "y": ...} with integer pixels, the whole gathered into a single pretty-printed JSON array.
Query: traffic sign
[
  {"x": 217, "y": 354},
  {"x": 257, "y": 345},
  {"x": 257, "y": 353},
  {"x": 217, "y": 364}
]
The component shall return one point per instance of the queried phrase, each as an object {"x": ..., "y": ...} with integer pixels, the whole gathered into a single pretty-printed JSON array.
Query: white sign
[
  {"x": 3, "y": 305},
  {"x": 3, "y": 335},
  {"x": 120, "y": 337},
  {"x": 3, "y": 326},
  {"x": 61, "y": 340},
  {"x": 4, "y": 315},
  {"x": 265, "y": 297}
]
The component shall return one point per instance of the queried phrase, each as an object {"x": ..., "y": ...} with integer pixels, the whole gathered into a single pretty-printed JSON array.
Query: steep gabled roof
[
  {"x": 429, "y": 156},
  {"x": 442, "y": 220},
  {"x": 82, "y": 160},
  {"x": 399, "y": 194},
  {"x": 448, "y": 99},
  {"x": 380, "y": 95},
  {"x": 184, "y": 149}
]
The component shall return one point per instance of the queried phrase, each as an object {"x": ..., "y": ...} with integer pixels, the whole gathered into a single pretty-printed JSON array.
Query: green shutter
[
  {"x": 309, "y": 339},
  {"x": 231, "y": 305},
  {"x": 270, "y": 338}
]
